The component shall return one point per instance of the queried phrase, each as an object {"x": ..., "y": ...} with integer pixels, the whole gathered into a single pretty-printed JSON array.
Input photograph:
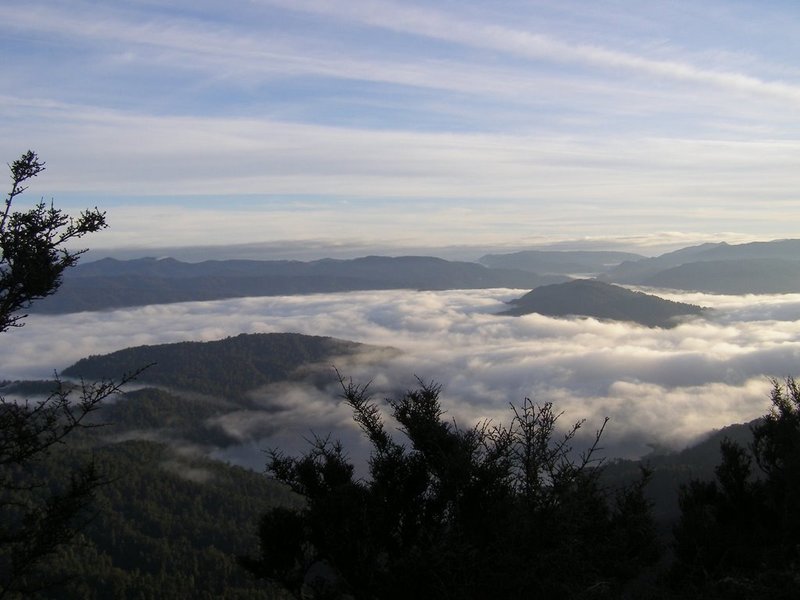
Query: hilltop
[{"x": 589, "y": 298}]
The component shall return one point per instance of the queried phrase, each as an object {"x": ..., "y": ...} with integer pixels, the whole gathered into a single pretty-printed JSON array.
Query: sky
[
  {"x": 381, "y": 124},
  {"x": 666, "y": 387}
]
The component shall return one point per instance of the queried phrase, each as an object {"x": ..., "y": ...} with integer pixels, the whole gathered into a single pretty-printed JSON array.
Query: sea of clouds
[{"x": 658, "y": 386}]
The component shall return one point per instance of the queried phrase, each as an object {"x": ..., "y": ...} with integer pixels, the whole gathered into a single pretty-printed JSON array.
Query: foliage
[
  {"x": 739, "y": 536},
  {"x": 591, "y": 298},
  {"x": 170, "y": 526},
  {"x": 492, "y": 511},
  {"x": 33, "y": 245},
  {"x": 229, "y": 368},
  {"x": 39, "y": 514}
]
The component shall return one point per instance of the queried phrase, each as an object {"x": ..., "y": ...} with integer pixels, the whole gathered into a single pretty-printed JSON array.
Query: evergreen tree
[
  {"x": 38, "y": 516},
  {"x": 739, "y": 536},
  {"x": 491, "y": 511}
]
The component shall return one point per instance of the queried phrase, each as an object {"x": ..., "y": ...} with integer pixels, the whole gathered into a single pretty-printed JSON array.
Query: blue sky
[{"x": 409, "y": 124}]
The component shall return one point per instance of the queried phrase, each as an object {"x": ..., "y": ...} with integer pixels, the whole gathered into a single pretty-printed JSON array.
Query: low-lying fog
[{"x": 657, "y": 386}]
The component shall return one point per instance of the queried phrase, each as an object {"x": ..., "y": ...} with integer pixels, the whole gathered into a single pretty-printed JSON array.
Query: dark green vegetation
[
  {"x": 110, "y": 283},
  {"x": 669, "y": 470},
  {"x": 514, "y": 512},
  {"x": 208, "y": 380},
  {"x": 230, "y": 367},
  {"x": 34, "y": 244},
  {"x": 168, "y": 522},
  {"x": 739, "y": 536},
  {"x": 589, "y": 298},
  {"x": 39, "y": 515},
  {"x": 86, "y": 514},
  {"x": 486, "y": 512}
]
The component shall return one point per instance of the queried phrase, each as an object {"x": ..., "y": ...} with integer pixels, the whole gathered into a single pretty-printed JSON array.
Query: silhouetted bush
[{"x": 493, "y": 511}]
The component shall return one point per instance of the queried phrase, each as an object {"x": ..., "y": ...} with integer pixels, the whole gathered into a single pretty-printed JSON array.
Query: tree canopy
[
  {"x": 495, "y": 510},
  {"x": 739, "y": 536},
  {"x": 39, "y": 515}
]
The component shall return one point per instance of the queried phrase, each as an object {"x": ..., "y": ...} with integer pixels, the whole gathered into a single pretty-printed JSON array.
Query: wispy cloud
[
  {"x": 494, "y": 121},
  {"x": 532, "y": 45}
]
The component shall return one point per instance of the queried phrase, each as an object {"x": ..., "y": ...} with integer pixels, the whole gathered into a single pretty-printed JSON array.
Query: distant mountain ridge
[
  {"x": 590, "y": 298},
  {"x": 756, "y": 267},
  {"x": 111, "y": 283},
  {"x": 561, "y": 262},
  {"x": 761, "y": 275}
]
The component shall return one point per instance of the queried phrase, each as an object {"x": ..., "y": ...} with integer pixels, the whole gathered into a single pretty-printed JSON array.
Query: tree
[
  {"x": 491, "y": 511},
  {"x": 33, "y": 245},
  {"x": 40, "y": 516},
  {"x": 739, "y": 536}
]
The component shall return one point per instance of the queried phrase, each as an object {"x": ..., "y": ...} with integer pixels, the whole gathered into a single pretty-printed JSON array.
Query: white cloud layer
[{"x": 664, "y": 386}]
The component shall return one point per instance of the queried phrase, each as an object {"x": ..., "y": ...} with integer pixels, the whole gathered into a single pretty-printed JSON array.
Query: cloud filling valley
[{"x": 661, "y": 386}]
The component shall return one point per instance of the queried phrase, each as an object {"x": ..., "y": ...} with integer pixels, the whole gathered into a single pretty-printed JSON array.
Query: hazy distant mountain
[
  {"x": 228, "y": 368},
  {"x": 755, "y": 275},
  {"x": 111, "y": 283},
  {"x": 756, "y": 267},
  {"x": 590, "y": 298},
  {"x": 635, "y": 271},
  {"x": 559, "y": 262}
]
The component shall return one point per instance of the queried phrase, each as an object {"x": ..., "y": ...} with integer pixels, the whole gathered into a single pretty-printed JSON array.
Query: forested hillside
[
  {"x": 230, "y": 367},
  {"x": 589, "y": 298},
  {"x": 167, "y": 524}
]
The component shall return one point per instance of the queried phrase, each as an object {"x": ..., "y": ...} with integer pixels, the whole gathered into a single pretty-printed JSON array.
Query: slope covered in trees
[
  {"x": 514, "y": 512},
  {"x": 39, "y": 516},
  {"x": 230, "y": 367},
  {"x": 166, "y": 525},
  {"x": 589, "y": 298},
  {"x": 739, "y": 535}
]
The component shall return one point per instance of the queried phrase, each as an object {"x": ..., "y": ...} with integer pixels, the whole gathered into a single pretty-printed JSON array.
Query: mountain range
[
  {"x": 558, "y": 262},
  {"x": 756, "y": 268},
  {"x": 110, "y": 283}
]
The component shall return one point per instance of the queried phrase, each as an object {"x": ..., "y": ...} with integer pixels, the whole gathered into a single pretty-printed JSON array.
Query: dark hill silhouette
[
  {"x": 230, "y": 367},
  {"x": 755, "y": 277},
  {"x": 746, "y": 276},
  {"x": 560, "y": 262},
  {"x": 671, "y": 469},
  {"x": 111, "y": 283},
  {"x": 634, "y": 271},
  {"x": 590, "y": 298}
]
